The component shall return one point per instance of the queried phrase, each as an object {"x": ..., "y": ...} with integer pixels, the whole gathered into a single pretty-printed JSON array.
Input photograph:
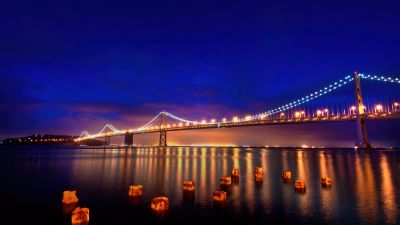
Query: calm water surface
[{"x": 365, "y": 190}]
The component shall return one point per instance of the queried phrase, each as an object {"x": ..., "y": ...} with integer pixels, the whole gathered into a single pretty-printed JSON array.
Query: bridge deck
[{"x": 263, "y": 122}]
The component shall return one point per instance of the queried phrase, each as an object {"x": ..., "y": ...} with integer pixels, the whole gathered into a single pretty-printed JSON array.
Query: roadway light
[
  {"x": 213, "y": 121},
  {"x": 203, "y": 121},
  {"x": 319, "y": 112},
  {"x": 396, "y": 105},
  {"x": 247, "y": 118},
  {"x": 224, "y": 120},
  {"x": 297, "y": 114},
  {"x": 235, "y": 119},
  {"x": 282, "y": 114},
  {"x": 180, "y": 124},
  {"x": 378, "y": 108}
]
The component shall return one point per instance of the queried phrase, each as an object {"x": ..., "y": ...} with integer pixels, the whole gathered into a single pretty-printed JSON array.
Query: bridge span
[{"x": 357, "y": 113}]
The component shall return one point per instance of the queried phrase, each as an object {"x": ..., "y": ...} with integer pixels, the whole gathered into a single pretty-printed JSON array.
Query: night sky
[{"x": 75, "y": 65}]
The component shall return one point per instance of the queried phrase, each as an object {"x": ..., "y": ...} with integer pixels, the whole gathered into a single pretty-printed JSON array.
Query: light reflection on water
[{"x": 365, "y": 184}]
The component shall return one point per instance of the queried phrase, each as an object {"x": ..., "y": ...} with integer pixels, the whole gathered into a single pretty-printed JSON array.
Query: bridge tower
[
  {"x": 362, "y": 137},
  {"x": 163, "y": 133},
  {"x": 107, "y": 140},
  {"x": 128, "y": 139}
]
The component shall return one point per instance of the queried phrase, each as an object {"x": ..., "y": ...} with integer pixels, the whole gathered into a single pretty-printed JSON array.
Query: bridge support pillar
[
  {"x": 128, "y": 139},
  {"x": 362, "y": 137},
  {"x": 107, "y": 140},
  {"x": 163, "y": 139}
]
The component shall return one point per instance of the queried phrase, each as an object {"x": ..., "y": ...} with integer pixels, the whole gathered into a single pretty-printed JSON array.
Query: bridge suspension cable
[
  {"x": 149, "y": 123},
  {"x": 170, "y": 115},
  {"x": 110, "y": 127},
  {"x": 84, "y": 134},
  {"x": 327, "y": 89},
  {"x": 380, "y": 78},
  {"x": 177, "y": 118}
]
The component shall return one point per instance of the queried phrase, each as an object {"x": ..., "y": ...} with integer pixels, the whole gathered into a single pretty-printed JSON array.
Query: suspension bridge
[{"x": 288, "y": 113}]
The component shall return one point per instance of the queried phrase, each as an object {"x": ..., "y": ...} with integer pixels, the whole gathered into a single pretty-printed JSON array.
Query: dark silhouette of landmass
[{"x": 47, "y": 139}]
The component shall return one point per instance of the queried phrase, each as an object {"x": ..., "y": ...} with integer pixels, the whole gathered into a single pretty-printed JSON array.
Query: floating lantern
[
  {"x": 160, "y": 203},
  {"x": 135, "y": 190},
  {"x": 286, "y": 175},
  {"x": 259, "y": 174},
  {"x": 219, "y": 196},
  {"x": 69, "y": 197},
  {"x": 235, "y": 172},
  {"x": 225, "y": 181},
  {"x": 326, "y": 181},
  {"x": 300, "y": 185},
  {"x": 188, "y": 185},
  {"x": 80, "y": 216}
]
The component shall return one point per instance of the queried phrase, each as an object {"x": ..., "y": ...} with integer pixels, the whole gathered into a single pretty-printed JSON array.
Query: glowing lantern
[
  {"x": 326, "y": 181},
  {"x": 259, "y": 174},
  {"x": 160, "y": 203},
  {"x": 300, "y": 185},
  {"x": 225, "y": 181},
  {"x": 219, "y": 196},
  {"x": 287, "y": 175},
  {"x": 80, "y": 216},
  {"x": 69, "y": 197},
  {"x": 235, "y": 172},
  {"x": 135, "y": 190},
  {"x": 188, "y": 185}
]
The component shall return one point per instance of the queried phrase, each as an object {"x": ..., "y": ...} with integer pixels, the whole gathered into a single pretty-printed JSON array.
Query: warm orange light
[
  {"x": 297, "y": 114},
  {"x": 219, "y": 196},
  {"x": 224, "y": 120},
  {"x": 80, "y": 216},
  {"x": 235, "y": 119},
  {"x": 160, "y": 203},
  {"x": 235, "y": 172},
  {"x": 319, "y": 112},
  {"x": 135, "y": 190},
  {"x": 379, "y": 108},
  {"x": 69, "y": 197},
  {"x": 225, "y": 181},
  {"x": 188, "y": 185},
  {"x": 259, "y": 174},
  {"x": 300, "y": 185},
  {"x": 326, "y": 181},
  {"x": 287, "y": 175}
]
